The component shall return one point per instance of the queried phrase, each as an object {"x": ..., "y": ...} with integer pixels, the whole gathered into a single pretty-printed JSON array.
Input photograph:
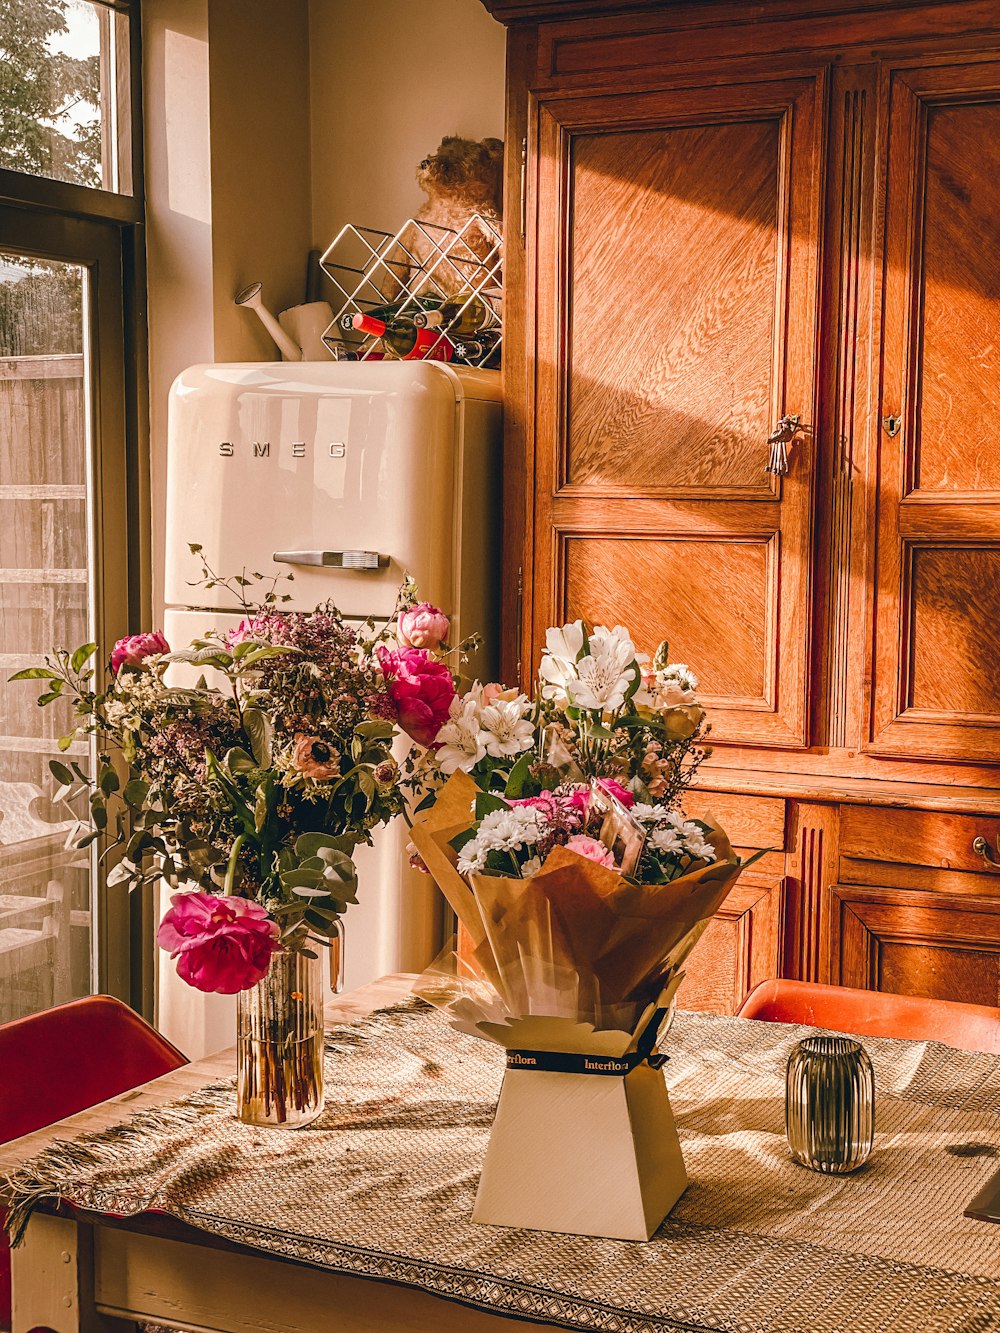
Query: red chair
[
  {"x": 867, "y": 1013},
  {"x": 65, "y": 1060}
]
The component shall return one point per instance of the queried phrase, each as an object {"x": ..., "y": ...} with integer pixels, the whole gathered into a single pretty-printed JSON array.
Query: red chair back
[
  {"x": 65, "y": 1060},
  {"x": 867, "y": 1013}
]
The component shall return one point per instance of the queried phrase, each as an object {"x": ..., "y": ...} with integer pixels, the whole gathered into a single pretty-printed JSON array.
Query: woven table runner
[{"x": 382, "y": 1186}]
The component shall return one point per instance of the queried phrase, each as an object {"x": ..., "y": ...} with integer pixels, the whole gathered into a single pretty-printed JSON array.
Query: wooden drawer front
[
  {"x": 738, "y": 950},
  {"x": 749, "y": 821},
  {"x": 915, "y": 943},
  {"x": 916, "y": 837}
]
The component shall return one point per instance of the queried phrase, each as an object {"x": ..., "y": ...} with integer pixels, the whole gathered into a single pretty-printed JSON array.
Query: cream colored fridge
[{"x": 349, "y": 475}]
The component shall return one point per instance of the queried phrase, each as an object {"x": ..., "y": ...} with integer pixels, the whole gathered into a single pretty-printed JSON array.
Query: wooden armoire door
[
  {"x": 937, "y": 669},
  {"x": 675, "y": 265}
]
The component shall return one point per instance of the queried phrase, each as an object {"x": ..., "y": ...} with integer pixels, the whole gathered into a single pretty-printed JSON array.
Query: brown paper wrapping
[{"x": 576, "y": 942}]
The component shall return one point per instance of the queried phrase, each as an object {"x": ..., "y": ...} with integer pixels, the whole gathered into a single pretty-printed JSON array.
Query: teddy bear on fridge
[{"x": 463, "y": 180}]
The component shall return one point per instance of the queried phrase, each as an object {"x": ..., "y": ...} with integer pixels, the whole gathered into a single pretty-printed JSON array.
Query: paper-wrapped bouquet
[{"x": 558, "y": 839}]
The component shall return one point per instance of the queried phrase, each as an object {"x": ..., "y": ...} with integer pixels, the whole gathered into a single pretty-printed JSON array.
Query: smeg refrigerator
[{"x": 350, "y": 475}]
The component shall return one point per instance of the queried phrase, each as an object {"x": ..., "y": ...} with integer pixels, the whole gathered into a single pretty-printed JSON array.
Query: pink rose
[
  {"x": 422, "y": 626},
  {"x": 133, "y": 650},
  {"x": 592, "y": 849},
  {"x": 315, "y": 759},
  {"x": 421, "y": 689},
  {"x": 223, "y": 945},
  {"x": 616, "y": 789}
]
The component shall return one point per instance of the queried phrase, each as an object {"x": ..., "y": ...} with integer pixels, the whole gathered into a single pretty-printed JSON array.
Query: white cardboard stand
[{"x": 589, "y": 1154}]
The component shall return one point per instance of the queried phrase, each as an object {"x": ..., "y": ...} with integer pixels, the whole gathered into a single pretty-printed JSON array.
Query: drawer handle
[{"x": 982, "y": 848}]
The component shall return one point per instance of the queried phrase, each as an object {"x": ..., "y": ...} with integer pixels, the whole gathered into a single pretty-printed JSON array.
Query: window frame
[{"x": 104, "y": 232}]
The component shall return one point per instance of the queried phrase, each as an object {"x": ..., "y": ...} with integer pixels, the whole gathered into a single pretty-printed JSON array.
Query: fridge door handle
[{"x": 334, "y": 559}]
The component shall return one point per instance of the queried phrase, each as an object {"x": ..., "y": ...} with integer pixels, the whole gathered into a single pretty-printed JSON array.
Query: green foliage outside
[{"x": 41, "y": 312}]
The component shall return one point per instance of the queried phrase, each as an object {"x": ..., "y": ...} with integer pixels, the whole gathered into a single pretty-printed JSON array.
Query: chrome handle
[
  {"x": 334, "y": 559},
  {"x": 778, "y": 441},
  {"x": 982, "y": 848}
]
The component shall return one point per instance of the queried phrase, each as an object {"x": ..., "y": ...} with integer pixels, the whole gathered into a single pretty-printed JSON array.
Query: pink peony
[
  {"x": 421, "y": 689},
  {"x": 591, "y": 849},
  {"x": 133, "y": 650},
  {"x": 223, "y": 945},
  {"x": 422, "y": 626}
]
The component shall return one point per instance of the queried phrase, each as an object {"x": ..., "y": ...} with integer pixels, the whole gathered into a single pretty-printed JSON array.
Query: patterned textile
[{"x": 382, "y": 1186}]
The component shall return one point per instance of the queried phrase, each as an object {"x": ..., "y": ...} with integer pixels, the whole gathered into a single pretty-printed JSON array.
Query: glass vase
[
  {"x": 830, "y": 1104},
  {"x": 279, "y": 1044}
]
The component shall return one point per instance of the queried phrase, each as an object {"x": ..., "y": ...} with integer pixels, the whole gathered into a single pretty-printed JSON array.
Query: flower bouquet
[
  {"x": 247, "y": 793},
  {"x": 559, "y": 842}
]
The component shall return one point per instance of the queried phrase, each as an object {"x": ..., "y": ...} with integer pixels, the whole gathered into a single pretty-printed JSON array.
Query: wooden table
[{"x": 82, "y": 1272}]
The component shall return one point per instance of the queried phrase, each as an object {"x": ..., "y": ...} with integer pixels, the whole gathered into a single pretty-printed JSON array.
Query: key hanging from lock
[{"x": 778, "y": 442}]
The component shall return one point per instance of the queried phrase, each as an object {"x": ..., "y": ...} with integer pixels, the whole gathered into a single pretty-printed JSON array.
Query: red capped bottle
[{"x": 402, "y": 338}]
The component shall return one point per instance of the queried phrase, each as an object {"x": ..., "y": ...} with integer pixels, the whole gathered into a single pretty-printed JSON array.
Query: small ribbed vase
[
  {"x": 830, "y": 1104},
  {"x": 279, "y": 1044}
]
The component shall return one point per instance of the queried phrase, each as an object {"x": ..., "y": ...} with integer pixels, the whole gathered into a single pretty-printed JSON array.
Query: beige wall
[
  {"x": 226, "y": 111},
  {"x": 388, "y": 80},
  {"x": 268, "y": 125}
]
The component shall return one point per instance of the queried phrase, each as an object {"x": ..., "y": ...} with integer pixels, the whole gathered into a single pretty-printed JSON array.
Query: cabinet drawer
[
  {"x": 749, "y": 821},
  {"x": 927, "y": 838}
]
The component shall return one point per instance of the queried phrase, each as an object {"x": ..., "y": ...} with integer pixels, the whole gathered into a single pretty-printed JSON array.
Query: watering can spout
[{"x": 250, "y": 297}]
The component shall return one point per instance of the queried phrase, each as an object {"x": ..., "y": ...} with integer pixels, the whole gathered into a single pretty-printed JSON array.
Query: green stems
[{"x": 231, "y": 866}]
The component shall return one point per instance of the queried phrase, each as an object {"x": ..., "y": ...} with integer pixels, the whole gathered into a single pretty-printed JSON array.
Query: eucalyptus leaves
[{"x": 257, "y": 780}]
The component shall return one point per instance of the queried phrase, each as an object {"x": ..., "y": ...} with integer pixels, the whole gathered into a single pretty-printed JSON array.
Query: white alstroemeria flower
[
  {"x": 461, "y": 741},
  {"x": 506, "y": 730},
  {"x": 558, "y": 665},
  {"x": 606, "y": 673},
  {"x": 531, "y": 867}
]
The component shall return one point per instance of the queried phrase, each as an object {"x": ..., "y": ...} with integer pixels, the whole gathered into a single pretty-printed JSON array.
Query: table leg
[{"x": 52, "y": 1272}]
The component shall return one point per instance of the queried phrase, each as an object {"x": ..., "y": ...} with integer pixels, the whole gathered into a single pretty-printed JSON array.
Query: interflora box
[{"x": 584, "y": 1139}]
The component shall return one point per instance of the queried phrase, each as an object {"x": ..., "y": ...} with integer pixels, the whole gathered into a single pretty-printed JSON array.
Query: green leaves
[
  {"x": 486, "y": 803},
  {"x": 82, "y": 655},
  {"x": 519, "y": 775},
  {"x": 32, "y": 673},
  {"x": 260, "y": 734}
]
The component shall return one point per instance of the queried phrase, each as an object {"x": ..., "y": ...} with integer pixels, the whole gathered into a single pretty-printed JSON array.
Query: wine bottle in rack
[
  {"x": 462, "y": 318},
  {"x": 412, "y": 306},
  {"x": 403, "y": 339}
]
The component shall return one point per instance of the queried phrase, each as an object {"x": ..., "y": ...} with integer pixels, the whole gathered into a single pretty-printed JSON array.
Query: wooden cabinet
[
  {"x": 938, "y": 570},
  {"x": 718, "y": 215},
  {"x": 675, "y": 324}
]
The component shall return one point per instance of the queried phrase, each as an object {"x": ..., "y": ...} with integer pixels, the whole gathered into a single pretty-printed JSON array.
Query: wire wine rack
[{"x": 420, "y": 268}]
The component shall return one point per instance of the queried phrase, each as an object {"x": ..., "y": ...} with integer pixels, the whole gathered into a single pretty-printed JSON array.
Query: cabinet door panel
[
  {"x": 737, "y": 951},
  {"x": 916, "y": 943},
  {"x": 675, "y": 263},
  {"x": 936, "y": 672}
]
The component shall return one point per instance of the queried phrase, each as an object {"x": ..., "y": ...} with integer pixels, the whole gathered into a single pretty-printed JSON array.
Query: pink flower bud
[
  {"x": 133, "y": 650},
  {"x": 422, "y": 626}
]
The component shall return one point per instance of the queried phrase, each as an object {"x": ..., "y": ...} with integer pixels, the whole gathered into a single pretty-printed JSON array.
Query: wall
[
  {"x": 389, "y": 79},
  {"x": 226, "y": 112}
]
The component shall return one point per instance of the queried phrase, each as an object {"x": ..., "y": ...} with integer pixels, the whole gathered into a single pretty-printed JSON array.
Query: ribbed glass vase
[
  {"x": 830, "y": 1104},
  {"x": 279, "y": 1044}
]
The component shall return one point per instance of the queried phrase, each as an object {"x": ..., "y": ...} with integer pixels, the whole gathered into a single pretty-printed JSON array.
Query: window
[
  {"x": 65, "y": 92},
  {"x": 72, "y": 486}
]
